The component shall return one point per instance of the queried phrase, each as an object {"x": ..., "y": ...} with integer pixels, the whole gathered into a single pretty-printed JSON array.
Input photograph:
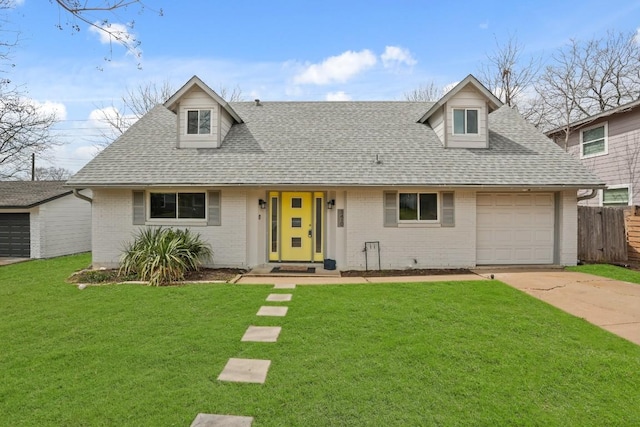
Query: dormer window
[
  {"x": 465, "y": 121},
  {"x": 199, "y": 122}
]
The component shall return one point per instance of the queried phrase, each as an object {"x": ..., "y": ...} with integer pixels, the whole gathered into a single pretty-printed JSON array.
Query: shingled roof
[
  {"x": 334, "y": 144},
  {"x": 27, "y": 194}
]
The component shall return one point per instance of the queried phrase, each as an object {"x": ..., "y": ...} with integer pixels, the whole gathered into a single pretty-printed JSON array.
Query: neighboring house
[
  {"x": 609, "y": 145},
  {"x": 456, "y": 183},
  {"x": 42, "y": 219}
]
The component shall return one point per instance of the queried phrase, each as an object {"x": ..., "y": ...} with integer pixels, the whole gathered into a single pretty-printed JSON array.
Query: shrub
[{"x": 163, "y": 255}]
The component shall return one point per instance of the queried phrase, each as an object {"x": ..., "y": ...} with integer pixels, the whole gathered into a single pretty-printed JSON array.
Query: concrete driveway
[
  {"x": 8, "y": 260},
  {"x": 611, "y": 304}
]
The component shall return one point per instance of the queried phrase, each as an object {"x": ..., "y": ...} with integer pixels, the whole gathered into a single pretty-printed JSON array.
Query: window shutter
[
  {"x": 448, "y": 210},
  {"x": 139, "y": 214},
  {"x": 214, "y": 208},
  {"x": 390, "y": 209}
]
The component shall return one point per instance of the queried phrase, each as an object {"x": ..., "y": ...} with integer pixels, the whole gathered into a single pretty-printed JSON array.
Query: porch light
[
  {"x": 262, "y": 204},
  {"x": 331, "y": 203}
]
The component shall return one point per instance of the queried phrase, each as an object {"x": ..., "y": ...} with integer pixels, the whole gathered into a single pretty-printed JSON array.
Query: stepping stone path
[
  {"x": 268, "y": 310},
  {"x": 213, "y": 420},
  {"x": 249, "y": 370},
  {"x": 245, "y": 371},
  {"x": 279, "y": 297},
  {"x": 262, "y": 334}
]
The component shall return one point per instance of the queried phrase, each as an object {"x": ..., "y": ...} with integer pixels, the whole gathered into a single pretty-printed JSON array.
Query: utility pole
[{"x": 33, "y": 166}]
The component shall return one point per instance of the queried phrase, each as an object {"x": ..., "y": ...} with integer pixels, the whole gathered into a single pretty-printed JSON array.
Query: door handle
[{"x": 310, "y": 233}]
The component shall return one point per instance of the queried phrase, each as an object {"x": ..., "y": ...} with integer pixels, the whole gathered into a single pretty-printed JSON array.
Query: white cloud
[
  {"x": 86, "y": 152},
  {"x": 394, "y": 56},
  {"x": 102, "y": 118},
  {"x": 113, "y": 32},
  {"x": 637, "y": 36},
  {"x": 448, "y": 87},
  {"x": 50, "y": 107},
  {"x": 337, "y": 96},
  {"x": 484, "y": 25},
  {"x": 99, "y": 115},
  {"x": 337, "y": 68}
]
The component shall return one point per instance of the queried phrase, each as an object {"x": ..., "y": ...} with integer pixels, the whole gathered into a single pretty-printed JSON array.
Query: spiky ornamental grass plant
[{"x": 163, "y": 255}]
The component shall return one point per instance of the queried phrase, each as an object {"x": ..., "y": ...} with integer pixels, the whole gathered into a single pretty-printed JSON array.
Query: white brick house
[{"x": 456, "y": 183}]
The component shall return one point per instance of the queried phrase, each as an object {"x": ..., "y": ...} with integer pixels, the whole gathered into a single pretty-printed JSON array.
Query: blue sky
[{"x": 283, "y": 50}]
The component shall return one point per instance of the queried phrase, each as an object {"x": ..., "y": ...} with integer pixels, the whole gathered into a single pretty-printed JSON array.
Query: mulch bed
[
  {"x": 408, "y": 272},
  {"x": 111, "y": 276},
  {"x": 226, "y": 274},
  {"x": 214, "y": 274}
]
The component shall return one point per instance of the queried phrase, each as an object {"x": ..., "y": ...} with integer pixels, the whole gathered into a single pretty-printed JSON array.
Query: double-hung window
[
  {"x": 177, "y": 205},
  {"x": 198, "y": 122},
  {"x": 593, "y": 141},
  {"x": 418, "y": 209},
  {"x": 465, "y": 121},
  {"x": 617, "y": 195},
  {"x": 415, "y": 207}
]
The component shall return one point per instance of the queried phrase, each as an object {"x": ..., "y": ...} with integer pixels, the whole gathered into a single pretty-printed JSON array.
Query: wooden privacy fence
[
  {"x": 601, "y": 234},
  {"x": 633, "y": 234}
]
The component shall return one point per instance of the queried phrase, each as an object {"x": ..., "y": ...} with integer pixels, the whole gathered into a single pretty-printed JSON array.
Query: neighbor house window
[
  {"x": 199, "y": 122},
  {"x": 465, "y": 121},
  {"x": 593, "y": 141},
  {"x": 418, "y": 207},
  {"x": 616, "y": 196},
  {"x": 177, "y": 205}
]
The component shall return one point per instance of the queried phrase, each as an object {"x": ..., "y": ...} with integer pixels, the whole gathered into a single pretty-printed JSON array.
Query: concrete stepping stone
[
  {"x": 245, "y": 371},
  {"x": 284, "y": 286},
  {"x": 267, "y": 310},
  {"x": 214, "y": 420},
  {"x": 262, "y": 334},
  {"x": 279, "y": 297}
]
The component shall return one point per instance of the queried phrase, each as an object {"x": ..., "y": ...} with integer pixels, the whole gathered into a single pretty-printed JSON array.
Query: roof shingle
[
  {"x": 27, "y": 194},
  {"x": 334, "y": 144}
]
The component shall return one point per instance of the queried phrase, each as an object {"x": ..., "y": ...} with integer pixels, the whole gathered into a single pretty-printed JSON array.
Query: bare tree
[
  {"x": 24, "y": 130},
  {"x": 137, "y": 102},
  {"x": 586, "y": 78},
  {"x": 52, "y": 173},
  {"x": 426, "y": 93},
  {"x": 509, "y": 74},
  {"x": 230, "y": 95},
  {"x": 98, "y": 14}
]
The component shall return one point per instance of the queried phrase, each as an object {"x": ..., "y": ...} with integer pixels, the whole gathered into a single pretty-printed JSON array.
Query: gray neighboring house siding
[
  {"x": 619, "y": 167},
  {"x": 42, "y": 219}
]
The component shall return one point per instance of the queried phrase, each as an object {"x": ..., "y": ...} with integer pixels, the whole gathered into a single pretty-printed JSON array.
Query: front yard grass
[
  {"x": 448, "y": 353},
  {"x": 608, "y": 270}
]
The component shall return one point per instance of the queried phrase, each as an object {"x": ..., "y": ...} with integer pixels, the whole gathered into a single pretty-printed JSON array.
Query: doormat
[{"x": 294, "y": 269}]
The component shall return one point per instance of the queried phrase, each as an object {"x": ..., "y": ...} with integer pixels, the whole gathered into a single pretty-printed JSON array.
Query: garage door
[
  {"x": 15, "y": 235},
  {"x": 515, "y": 228}
]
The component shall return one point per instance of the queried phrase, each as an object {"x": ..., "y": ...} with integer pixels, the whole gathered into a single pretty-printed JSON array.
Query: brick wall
[
  {"x": 112, "y": 228},
  {"x": 424, "y": 246}
]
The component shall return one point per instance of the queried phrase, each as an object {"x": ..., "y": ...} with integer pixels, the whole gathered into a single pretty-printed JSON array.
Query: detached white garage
[
  {"x": 515, "y": 228},
  {"x": 42, "y": 219}
]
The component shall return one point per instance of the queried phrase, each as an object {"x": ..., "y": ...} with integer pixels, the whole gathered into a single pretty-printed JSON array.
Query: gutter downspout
[
  {"x": 82, "y": 196},
  {"x": 593, "y": 194}
]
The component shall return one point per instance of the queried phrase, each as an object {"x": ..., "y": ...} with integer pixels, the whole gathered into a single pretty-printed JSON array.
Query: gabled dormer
[
  {"x": 461, "y": 117},
  {"x": 203, "y": 117}
]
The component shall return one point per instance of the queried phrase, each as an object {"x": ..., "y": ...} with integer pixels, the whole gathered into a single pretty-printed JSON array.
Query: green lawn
[
  {"x": 610, "y": 271},
  {"x": 449, "y": 353}
]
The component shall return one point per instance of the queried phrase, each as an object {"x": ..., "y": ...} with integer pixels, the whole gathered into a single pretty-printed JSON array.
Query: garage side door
[
  {"x": 514, "y": 228},
  {"x": 15, "y": 238}
]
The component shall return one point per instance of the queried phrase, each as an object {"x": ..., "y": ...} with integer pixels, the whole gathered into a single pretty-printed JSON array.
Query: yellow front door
[{"x": 297, "y": 226}]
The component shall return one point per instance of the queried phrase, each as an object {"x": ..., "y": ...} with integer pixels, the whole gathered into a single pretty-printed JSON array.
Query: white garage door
[{"x": 515, "y": 228}]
